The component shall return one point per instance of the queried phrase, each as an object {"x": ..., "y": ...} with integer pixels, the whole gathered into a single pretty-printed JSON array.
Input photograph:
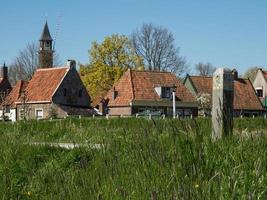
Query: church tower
[{"x": 46, "y": 49}]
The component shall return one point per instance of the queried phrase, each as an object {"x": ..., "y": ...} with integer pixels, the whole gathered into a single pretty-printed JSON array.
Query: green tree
[{"x": 108, "y": 61}]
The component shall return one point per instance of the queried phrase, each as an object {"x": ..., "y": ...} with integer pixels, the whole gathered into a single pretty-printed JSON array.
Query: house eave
[
  {"x": 163, "y": 103},
  {"x": 32, "y": 102}
]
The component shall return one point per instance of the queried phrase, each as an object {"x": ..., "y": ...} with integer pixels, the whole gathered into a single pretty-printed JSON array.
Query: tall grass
[{"x": 140, "y": 159}]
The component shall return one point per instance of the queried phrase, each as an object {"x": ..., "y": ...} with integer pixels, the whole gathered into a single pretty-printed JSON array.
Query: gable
[
  {"x": 190, "y": 85},
  {"x": 16, "y": 92},
  {"x": 260, "y": 79},
  {"x": 124, "y": 89},
  {"x": 71, "y": 91}
]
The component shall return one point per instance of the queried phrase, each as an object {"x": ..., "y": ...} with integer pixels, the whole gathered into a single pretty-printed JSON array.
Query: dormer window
[
  {"x": 259, "y": 92},
  {"x": 166, "y": 92}
]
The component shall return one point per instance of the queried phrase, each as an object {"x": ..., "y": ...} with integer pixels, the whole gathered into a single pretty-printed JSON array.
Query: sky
[{"x": 226, "y": 33}]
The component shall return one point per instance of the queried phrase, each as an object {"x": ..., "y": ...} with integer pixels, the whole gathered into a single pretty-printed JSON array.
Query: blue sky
[{"x": 226, "y": 33}]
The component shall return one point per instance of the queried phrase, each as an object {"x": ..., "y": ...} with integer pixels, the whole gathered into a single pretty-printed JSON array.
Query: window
[
  {"x": 47, "y": 44},
  {"x": 39, "y": 113},
  {"x": 65, "y": 92},
  {"x": 166, "y": 92},
  {"x": 7, "y": 108},
  {"x": 80, "y": 92},
  {"x": 259, "y": 92}
]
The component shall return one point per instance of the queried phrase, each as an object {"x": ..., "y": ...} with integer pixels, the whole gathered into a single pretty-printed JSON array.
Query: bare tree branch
[
  {"x": 156, "y": 45},
  {"x": 205, "y": 69},
  {"x": 26, "y": 62}
]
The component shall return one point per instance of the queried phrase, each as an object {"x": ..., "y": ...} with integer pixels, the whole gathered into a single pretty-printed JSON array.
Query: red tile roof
[
  {"x": 16, "y": 92},
  {"x": 264, "y": 74},
  {"x": 140, "y": 85},
  {"x": 245, "y": 97},
  {"x": 203, "y": 84},
  {"x": 44, "y": 83}
]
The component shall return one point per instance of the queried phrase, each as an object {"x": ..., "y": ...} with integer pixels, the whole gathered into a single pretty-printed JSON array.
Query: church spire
[
  {"x": 46, "y": 34},
  {"x": 46, "y": 49}
]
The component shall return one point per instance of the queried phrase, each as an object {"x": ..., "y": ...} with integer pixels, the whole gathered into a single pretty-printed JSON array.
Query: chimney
[
  {"x": 71, "y": 64},
  {"x": 4, "y": 72},
  {"x": 235, "y": 74}
]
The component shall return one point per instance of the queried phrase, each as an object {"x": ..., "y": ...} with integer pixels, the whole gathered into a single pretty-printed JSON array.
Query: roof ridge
[
  {"x": 131, "y": 79},
  {"x": 150, "y": 71},
  {"x": 200, "y": 76},
  {"x": 52, "y": 68}
]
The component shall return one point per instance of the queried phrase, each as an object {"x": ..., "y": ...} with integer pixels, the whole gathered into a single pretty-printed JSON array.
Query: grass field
[{"x": 139, "y": 159}]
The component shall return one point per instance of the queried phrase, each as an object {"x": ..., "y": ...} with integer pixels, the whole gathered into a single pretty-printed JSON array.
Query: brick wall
[
  {"x": 30, "y": 110},
  {"x": 120, "y": 111},
  {"x": 71, "y": 91}
]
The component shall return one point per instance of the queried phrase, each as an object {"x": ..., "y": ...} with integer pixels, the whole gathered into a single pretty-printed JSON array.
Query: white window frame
[{"x": 39, "y": 109}]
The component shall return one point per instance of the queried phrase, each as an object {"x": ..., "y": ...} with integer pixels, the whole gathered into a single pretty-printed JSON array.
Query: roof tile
[
  {"x": 245, "y": 97},
  {"x": 140, "y": 85},
  {"x": 44, "y": 83}
]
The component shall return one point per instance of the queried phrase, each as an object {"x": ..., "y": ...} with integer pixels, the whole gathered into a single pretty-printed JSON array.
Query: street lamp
[{"x": 173, "y": 101}]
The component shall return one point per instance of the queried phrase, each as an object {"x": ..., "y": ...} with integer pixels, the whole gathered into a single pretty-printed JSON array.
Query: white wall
[{"x": 260, "y": 82}]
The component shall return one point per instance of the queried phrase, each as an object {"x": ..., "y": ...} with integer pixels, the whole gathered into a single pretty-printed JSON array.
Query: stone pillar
[
  {"x": 222, "y": 103},
  {"x": 173, "y": 104}
]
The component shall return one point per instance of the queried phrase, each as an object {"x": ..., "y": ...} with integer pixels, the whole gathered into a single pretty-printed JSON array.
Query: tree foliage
[
  {"x": 205, "y": 69},
  {"x": 156, "y": 45},
  {"x": 108, "y": 61},
  {"x": 251, "y": 73}
]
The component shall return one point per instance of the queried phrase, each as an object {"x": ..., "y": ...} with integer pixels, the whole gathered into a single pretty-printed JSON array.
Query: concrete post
[
  {"x": 93, "y": 116},
  {"x": 222, "y": 103},
  {"x": 107, "y": 116},
  {"x": 173, "y": 101},
  {"x": 149, "y": 116},
  {"x": 173, "y": 104},
  {"x": 163, "y": 116},
  {"x": 136, "y": 115}
]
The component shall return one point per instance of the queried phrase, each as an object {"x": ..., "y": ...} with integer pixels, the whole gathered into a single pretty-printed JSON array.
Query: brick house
[
  {"x": 260, "y": 85},
  {"x": 52, "y": 91},
  {"x": 246, "y": 102},
  {"x": 138, "y": 91}
]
